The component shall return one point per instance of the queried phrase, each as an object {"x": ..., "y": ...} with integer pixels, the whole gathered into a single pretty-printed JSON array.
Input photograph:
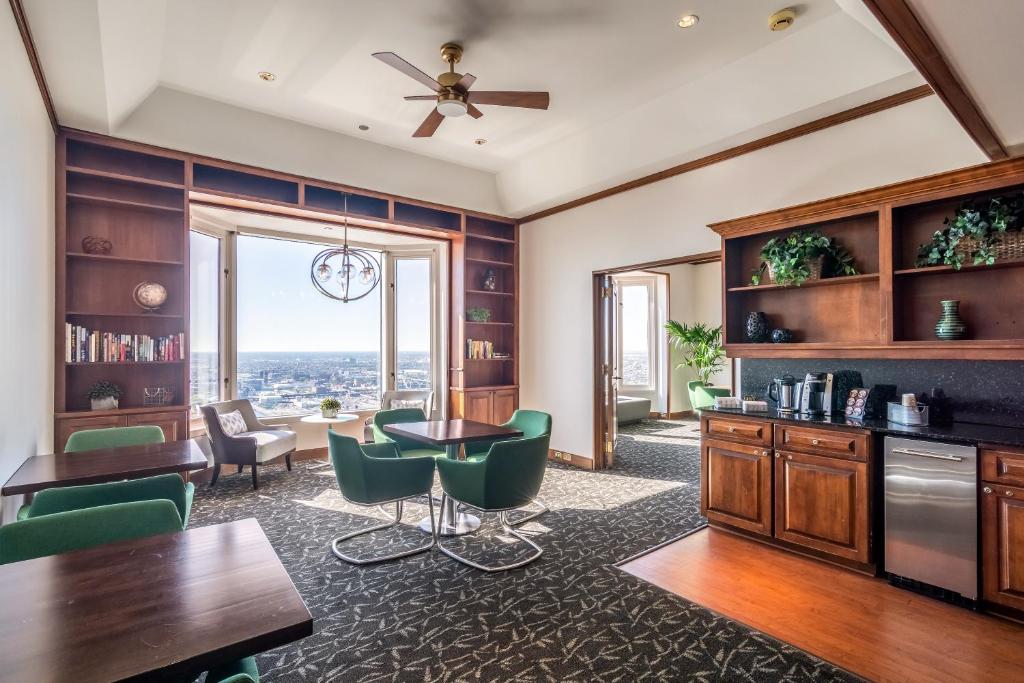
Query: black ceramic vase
[
  {"x": 782, "y": 335},
  {"x": 757, "y": 327}
]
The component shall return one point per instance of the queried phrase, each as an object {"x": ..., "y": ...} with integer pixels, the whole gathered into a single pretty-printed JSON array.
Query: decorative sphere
[
  {"x": 150, "y": 295},
  {"x": 782, "y": 335}
]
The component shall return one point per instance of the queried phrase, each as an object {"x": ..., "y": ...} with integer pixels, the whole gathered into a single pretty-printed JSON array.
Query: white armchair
[{"x": 402, "y": 398}]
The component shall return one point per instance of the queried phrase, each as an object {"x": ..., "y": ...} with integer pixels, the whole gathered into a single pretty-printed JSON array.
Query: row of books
[
  {"x": 92, "y": 346},
  {"x": 477, "y": 349}
]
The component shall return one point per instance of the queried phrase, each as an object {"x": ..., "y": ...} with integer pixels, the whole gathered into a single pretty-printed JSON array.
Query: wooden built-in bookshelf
[{"x": 890, "y": 308}]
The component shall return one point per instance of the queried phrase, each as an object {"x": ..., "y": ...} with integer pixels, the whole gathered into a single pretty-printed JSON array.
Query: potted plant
[
  {"x": 329, "y": 407},
  {"x": 803, "y": 255},
  {"x": 104, "y": 395},
  {"x": 702, "y": 350},
  {"x": 978, "y": 234},
  {"x": 478, "y": 315}
]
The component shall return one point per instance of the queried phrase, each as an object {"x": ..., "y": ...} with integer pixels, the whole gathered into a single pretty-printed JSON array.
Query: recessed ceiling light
[
  {"x": 363, "y": 126},
  {"x": 688, "y": 21},
  {"x": 480, "y": 141},
  {"x": 266, "y": 76}
]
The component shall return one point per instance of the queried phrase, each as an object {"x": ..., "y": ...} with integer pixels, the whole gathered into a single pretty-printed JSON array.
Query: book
[{"x": 95, "y": 346}]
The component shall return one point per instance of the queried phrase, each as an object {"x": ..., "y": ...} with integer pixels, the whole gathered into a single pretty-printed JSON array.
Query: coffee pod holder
[{"x": 912, "y": 416}]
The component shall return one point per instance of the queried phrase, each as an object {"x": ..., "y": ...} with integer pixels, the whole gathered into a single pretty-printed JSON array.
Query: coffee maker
[{"x": 815, "y": 393}]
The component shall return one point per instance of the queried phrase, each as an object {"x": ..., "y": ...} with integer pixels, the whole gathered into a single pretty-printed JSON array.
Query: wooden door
[
  {"x": 606, "y": 405},
  {"x": 736, "y": 485},
  {"x": 1002, "y": 545},
  {"x": 67, "y": 427},
  {"x": 172, "y": 424},
  {"x": 478, "y": 405},
  {"x": 503, "y": 404},
  {"x": 822, "y": 503}
]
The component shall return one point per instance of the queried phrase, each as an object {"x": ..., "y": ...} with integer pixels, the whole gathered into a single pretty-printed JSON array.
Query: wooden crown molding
[
  {"x": 746, "y": 148},
  {"x": 903, "y": 25},
  {"x": 992, "y": 174},
  {"x": 692, "y": 259},
  {"x": 33, "y": 59}
]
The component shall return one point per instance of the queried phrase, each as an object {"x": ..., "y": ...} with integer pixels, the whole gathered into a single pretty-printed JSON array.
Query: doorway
[{"x": 639, "y": 389}]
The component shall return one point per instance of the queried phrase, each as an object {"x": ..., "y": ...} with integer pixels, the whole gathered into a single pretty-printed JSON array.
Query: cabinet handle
[
  {"x": 814, "y": 442},
  {"x": 1009, "y": 494},
  {"x": 789, "y": 457},
  {"x": 732, "y": 429},
  {"x": 987, "y": 490},
  {"x": 778, "y": 455}
]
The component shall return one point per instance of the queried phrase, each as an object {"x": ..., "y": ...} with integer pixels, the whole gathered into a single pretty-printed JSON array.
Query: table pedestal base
[{"x": 464, "y": 524}]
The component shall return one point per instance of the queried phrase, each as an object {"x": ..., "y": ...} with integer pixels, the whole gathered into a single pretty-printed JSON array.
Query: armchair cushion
[
  {"x": 242, "y": 671},
  {"x": 531, "y": 423},
  {"x": 78, "y": 529},
  {"x": 399, "y": 416},
  {"x": 271, "y": 443},
  {"x": 232, "y": 423},
  {"x": 510, "y": 476},
  {"x": 161, "y": 487}
]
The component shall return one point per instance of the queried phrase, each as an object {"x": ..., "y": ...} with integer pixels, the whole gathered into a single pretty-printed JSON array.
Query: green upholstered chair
[
  {"x": 242, "y": 671},
  {"x": 375, "y": 474},
  {"x": 532, "y": 423},
  {"x": 164, "y": 486},
  {"x": 508, "y": 478},
  {"x": 703, "y": 396},
  {"x": 113, "y": 437},
  {"x": 63, "y": 532},
  {"x": 407, "y": 448}
]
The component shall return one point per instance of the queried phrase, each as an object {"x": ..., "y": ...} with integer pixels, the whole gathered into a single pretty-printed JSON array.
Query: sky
[
  {"x": 279, "y": 309},
  {"x": 635, "y": 322}
]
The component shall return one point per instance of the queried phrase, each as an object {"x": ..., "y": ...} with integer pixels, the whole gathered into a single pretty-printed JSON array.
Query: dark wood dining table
[
  {"x": 450, "y": 435},
  {"x": 165, "y": 607},
  {"x": 105, "y": 464}
]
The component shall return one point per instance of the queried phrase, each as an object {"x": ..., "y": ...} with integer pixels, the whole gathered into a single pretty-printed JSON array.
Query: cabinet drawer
[
  {"x": 831, "y": 442},
  {"x": 744, "y": 431},
  {"x": 1002, "y": 466}
]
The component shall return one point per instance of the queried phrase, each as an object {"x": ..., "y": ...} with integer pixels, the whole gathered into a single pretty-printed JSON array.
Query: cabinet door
[
  {"x": 1002, "y": 543},
  {"x": 478, "y": 405},
  {"x": 736, "y": 485},
  {"x": 173, "y": 424},
  {"x": 67, "y": 427},
  {"x": 503, "y": 405},
  {"x": 822, "y": 503}
]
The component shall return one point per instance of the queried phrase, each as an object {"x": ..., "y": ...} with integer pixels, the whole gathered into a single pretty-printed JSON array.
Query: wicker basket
[
  {"x": 1010, "y": 246},
  {"x": 814, "y": 265}
]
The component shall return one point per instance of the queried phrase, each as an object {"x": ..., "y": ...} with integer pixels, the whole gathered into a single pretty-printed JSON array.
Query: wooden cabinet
[
  {"x": 1002, "y": 545},
  {"x": 736, "y": 485},
  {"x": 817, "y": 441},
  {"x": 821, "y": 502},
  {"x": 492, "y": 405},
  {"x": 174, "y": 423},
  {"x": 753, "y": 432},
  {"x": 1002, "y": 466}
]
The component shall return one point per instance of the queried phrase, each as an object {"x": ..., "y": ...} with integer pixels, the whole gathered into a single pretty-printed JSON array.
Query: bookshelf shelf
[
  {"x": 109, "y": 314},
  {"x": 122, "y": 203},
  {"x": 470, "y": 322},
  {"x": 81, "y": 170},
  {"x": 125, "y": 363},
  {"x": 106, "y": 258},
  {"x": 488, "y": 292},
  {"x": 490, "y": 262}
]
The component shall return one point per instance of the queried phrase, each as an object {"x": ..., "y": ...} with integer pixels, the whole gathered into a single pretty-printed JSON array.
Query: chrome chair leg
[
  {"x": 533, "y": 515},
  {"x": 399, "y": 509},
  {"x": 509, "y": 529}
]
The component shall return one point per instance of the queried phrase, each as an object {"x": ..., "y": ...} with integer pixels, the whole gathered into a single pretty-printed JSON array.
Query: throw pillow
[
  {"x": 232, "y": 423},
  {"x": 422, "y": 405}
]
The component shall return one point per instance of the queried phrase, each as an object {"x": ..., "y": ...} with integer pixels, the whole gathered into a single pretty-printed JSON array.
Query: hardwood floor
[{"x": 857, "y": 622}]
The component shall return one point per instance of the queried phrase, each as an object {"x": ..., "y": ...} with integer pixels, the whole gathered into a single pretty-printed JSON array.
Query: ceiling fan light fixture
[{"x": 451, "y": 107}]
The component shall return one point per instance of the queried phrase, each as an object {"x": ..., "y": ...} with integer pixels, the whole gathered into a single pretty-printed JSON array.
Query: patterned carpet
[{"x": 570, "y": 616}]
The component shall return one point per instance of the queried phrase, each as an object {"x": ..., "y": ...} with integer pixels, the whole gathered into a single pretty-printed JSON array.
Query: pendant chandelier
[{"x": 345, "y": 273}]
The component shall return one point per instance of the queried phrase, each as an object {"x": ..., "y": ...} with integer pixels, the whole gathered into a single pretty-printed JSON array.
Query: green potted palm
[{"x": 701, "y": 346}]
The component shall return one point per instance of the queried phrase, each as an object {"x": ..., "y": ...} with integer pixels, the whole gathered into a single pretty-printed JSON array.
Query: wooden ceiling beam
[{"x": 906, "y": 29}]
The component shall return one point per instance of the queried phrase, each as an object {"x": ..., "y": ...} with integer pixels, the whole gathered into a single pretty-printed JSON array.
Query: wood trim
[
  {"x": 33, "y": 59},
  {"x": 991, "y": 175},
  {"x": 692, "y": 259},
  {"x": 739, "y": 150},
  {"x": 902, "y": 24},
  {"x": 570, "y": 459}
]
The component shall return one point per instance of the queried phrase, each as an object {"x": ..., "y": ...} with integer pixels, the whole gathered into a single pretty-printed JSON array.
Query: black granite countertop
[{"x": 958, "y": 432}]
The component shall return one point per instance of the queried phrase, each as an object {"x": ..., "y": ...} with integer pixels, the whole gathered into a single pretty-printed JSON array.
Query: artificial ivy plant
[
  {"x": 790, "y": 257},
  {"x": 982, "y": 223}
]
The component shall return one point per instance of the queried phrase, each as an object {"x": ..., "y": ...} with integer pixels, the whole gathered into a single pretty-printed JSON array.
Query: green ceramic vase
[{"x": 950, "y": 326}]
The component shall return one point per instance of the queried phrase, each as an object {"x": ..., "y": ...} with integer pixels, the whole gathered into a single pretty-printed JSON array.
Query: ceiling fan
[{"x": 453, "y": 95}]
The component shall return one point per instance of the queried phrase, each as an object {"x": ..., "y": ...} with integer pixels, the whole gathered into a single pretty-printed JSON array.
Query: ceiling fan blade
[
  {"x": 429, "y": 125},
  {"x": 509, "y": 98},
  {"x": 421, "y": 97},
  {"x": 393, "y": 60},
  {"x": 473, "y": 111},
  {"x": 466, "y": 82}
]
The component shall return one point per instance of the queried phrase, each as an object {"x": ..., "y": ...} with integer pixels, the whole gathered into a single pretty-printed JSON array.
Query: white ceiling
[
  {"x": 983, "y": 44},
  {"x": 630, "y": 91},
  {"x": 240, "y": 220}
]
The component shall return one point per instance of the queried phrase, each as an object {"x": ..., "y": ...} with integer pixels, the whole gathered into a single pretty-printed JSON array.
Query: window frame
[{"x": 650, "y": 282}]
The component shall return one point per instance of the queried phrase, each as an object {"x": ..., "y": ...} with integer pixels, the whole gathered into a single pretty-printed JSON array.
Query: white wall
[
  {"x": 188, "y": 123},
  {"x": 669, "y": 219},
  {"x": 26, "y": 262},
  {"x": 695, "y": 295}
]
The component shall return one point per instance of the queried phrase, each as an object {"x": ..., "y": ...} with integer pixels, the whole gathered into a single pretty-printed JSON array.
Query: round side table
[{"x": 328, "y": 421}]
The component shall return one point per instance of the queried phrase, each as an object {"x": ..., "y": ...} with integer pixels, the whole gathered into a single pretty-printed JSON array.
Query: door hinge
[
  {"x": 609, "y": 447},
  {"x": 606, "y": 292}
]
